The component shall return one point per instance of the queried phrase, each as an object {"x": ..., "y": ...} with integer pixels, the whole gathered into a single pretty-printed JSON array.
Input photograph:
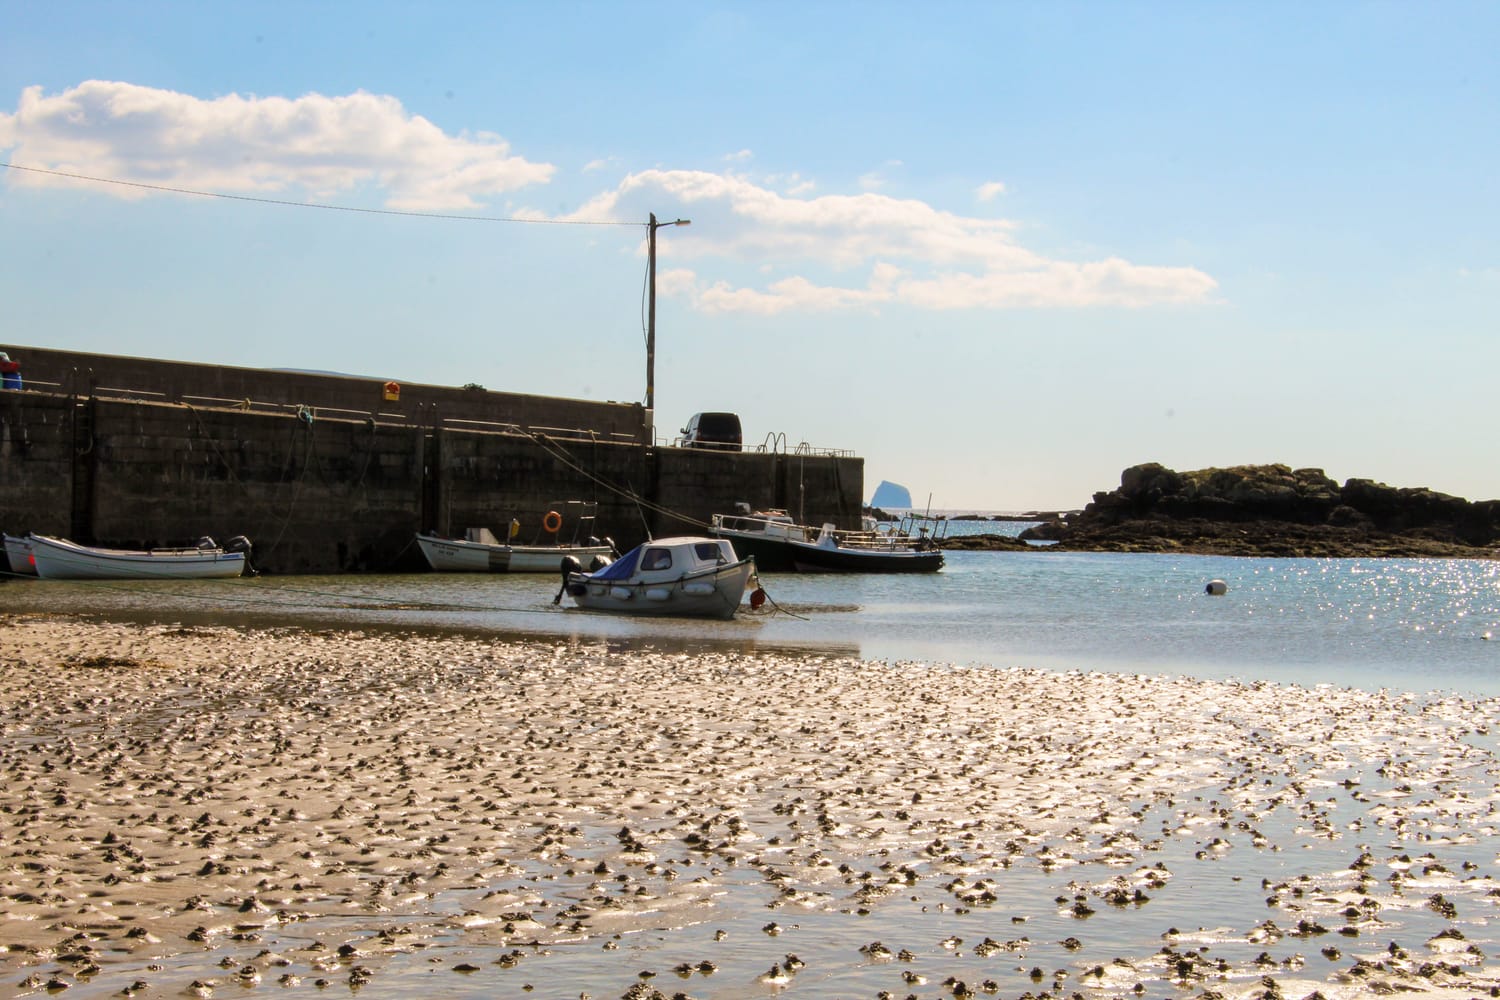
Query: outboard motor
[
  {"x": 570, "y": 564},
  {"x": 206, "y": 542},
  {"x": 239, "y": 543},
  {"x": 599, "y": 562}
]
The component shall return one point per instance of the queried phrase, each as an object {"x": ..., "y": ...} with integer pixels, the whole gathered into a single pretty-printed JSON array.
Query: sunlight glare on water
[{"x": 1372, "y": 623}]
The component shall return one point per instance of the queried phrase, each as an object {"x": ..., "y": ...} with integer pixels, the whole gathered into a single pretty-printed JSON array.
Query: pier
[{"x": 329, "y": 473}]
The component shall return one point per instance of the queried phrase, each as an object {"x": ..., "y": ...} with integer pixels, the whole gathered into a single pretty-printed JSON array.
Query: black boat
[{"x": 780, "y": 544}]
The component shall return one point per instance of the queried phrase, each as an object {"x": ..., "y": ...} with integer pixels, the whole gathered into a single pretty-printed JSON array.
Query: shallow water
[{"x": 1409, "y": 624}]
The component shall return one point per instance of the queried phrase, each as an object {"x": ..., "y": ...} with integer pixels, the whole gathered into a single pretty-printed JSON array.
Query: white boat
[
  {"x": 689, "y": 577},
  {"x": 18, "y": 555},
  {"x": 765, "y": 534},
  {"x": 479, "y": 551},
  {"x": 60, "y": 559}
]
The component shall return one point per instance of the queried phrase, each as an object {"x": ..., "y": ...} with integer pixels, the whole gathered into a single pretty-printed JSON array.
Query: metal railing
[
  {"x": 304, "y": 410},
  {"x": 806, "y": 449},
  {"x": 770, "y": 447}
]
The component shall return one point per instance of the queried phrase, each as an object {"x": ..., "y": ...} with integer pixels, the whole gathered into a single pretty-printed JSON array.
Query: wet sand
[{"x": 213, "y": 812}]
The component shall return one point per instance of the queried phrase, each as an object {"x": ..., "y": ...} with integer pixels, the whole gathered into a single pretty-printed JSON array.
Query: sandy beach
[{"x": 215, "y": 812}]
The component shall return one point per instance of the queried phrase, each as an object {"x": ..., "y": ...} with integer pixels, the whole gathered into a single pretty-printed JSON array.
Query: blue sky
[{"x": 1001, "y": 251}]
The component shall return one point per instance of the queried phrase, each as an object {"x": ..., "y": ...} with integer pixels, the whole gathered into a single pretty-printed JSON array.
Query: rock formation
[
  {"x": 889, "y": 494},
  {"x": 1275, "y": 510}
]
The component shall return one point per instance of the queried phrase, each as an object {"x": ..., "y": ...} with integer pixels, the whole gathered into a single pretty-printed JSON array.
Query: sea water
[{"x": 1416, "y": 624}]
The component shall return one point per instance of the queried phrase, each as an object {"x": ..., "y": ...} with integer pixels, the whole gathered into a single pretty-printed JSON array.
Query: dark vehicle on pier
[{"x": 718, "y": 431}]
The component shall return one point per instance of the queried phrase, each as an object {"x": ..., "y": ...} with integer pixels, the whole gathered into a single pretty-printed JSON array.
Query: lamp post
[{"x": 651, "y": 229}]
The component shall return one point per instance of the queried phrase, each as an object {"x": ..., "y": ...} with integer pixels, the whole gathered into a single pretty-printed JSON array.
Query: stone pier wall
[
  {"x": 350, "y": 396},
  {"x": 321, "y": 493}
]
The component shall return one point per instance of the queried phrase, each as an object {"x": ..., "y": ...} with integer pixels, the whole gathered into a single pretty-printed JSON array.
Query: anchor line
[
  {"x": 561, "y": 454},
  {"x": 262, "y": 508}
]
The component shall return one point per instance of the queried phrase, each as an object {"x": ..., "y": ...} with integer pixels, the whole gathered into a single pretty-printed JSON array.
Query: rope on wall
[{"x": 556, "y": 450}]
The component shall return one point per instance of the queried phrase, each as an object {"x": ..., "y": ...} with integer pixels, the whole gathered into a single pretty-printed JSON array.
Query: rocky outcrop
[
  {"x": 984, "y": 543},
  {"x": 1275, "y": 510}
]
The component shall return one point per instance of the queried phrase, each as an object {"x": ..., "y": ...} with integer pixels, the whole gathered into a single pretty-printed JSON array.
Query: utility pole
[{"x": 651, "y": 228}]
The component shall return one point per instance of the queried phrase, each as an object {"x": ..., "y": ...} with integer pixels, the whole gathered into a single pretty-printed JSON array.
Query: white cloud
[
  {"x": 894, "y": 251},
  {"x": 990, "y": 191},
  {"x": 792, "y": 184},
  {"x": 858, "y": 251},
  {"x": 258, "y": 145}
]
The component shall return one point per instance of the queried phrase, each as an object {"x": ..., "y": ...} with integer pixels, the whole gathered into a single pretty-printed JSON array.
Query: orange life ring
[{"x": 552, "y": 522}]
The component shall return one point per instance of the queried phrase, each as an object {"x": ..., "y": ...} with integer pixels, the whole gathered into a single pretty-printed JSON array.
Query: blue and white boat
[{"x": 690, "y": 577}]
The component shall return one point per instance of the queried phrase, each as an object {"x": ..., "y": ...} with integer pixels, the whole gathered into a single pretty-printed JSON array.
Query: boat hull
[
  {"x": 451, "y": 555},
  {"x": 58, "y": 559},
  {"x": 772, "y": 555},
  {"x": 819, "y": 559},
  {"x": 703, "y": 595},
  {"x": 18, "y": 555}
]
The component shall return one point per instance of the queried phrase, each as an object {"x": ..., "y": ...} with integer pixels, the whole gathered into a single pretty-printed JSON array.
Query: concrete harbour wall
[{"x": 325, "y": 489}]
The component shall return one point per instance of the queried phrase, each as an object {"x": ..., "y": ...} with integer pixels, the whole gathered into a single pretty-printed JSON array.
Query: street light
[{"x": 651, "y": 229}]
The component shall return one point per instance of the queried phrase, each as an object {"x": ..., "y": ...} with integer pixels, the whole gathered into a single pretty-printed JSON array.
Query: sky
[{"x": 1002, "y": 251}]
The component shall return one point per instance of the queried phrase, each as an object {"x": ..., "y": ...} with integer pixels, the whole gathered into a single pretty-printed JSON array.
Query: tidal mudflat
[{"x": 215, "y": 812}]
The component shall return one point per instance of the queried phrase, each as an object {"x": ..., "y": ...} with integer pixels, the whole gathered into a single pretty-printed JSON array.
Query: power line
[{"x": 308, "y": 204}]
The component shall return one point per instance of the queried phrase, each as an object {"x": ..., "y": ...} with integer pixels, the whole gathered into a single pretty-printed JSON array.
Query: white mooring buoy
[{"x": 1218, "y": 588}]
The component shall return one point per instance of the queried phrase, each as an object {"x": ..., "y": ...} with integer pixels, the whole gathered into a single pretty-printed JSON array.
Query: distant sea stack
[
  {"x": 889, "y": 494},
  {"x": 1273, "y": 510}
]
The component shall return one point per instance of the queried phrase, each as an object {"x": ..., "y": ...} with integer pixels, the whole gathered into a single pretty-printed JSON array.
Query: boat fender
[
  {"x": 552, "y": 523},
  {"x": 1217, "y": 588},
  {"x": 757, "y": 599}
]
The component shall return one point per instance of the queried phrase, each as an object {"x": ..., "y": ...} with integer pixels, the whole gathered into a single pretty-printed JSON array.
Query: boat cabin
[
  {"x": 776, "y": 524},
  {"x": 657, "y": 561}
]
